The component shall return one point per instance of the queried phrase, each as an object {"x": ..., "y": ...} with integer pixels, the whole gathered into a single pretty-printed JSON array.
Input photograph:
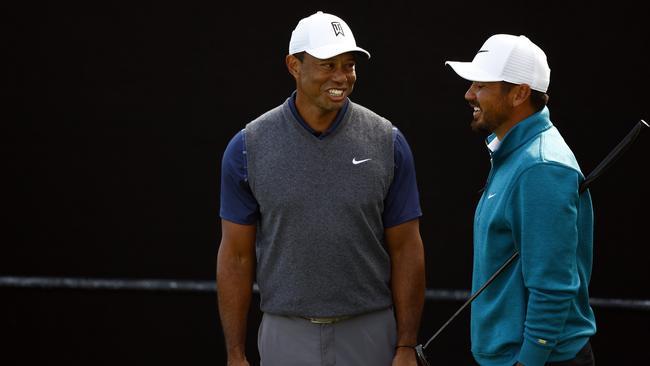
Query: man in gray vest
[{"x": 319, "y": 201}]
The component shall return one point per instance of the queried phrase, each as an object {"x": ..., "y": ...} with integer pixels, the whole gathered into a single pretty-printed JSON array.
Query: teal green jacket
[{"x": 537, "y": 310}]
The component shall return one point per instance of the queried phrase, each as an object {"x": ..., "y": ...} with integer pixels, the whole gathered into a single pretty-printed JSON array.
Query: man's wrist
[
  {"x": 406, "y": 346},
  {"x": 236, "y": 353},
  {"x": 405, "y": 349}
]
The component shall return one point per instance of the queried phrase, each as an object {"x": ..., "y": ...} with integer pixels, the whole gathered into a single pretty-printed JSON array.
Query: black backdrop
[{"x": 117, "y": 115}]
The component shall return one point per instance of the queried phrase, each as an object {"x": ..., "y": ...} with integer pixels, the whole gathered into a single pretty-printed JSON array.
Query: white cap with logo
[
  {"x": 323, "y": 36},
  {"x": 504, "y": 57}
]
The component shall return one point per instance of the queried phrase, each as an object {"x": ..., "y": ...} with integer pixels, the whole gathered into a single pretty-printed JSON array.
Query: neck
[
  {"x": 518, "y": 114},
  {"x": 317, "y": 118}
]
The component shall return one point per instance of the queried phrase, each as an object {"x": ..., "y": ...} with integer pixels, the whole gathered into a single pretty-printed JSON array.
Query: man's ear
[
  {"x": 520, "y": 94},
  {"x": 293, "y": 65}
]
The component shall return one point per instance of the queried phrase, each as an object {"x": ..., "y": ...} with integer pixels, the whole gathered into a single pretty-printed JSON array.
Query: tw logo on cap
[{"x": 338, "y": 29}]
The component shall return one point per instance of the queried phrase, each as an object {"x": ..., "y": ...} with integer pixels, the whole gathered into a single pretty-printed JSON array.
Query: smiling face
[
  {"x": 493, "y": 109},
  {"x": 322, "y": 86}
]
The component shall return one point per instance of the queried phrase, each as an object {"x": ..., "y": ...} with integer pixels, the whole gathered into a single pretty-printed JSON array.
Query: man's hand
[
  {"x": 405, "y": 356},
  {"x": 240, "y": 362}
]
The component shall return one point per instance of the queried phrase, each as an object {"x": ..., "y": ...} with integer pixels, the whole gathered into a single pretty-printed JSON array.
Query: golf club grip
[
  {"x": 614, "y": 154},
  {"x": 420, "y": 356}
]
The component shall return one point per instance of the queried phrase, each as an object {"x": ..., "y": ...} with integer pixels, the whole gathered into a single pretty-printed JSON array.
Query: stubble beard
[
  {"x": 490, "y": 122},
  {"x": 479, "y": 126}
]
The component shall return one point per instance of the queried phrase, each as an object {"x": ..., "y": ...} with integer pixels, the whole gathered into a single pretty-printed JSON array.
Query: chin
[{"x": 478, "y": 126}]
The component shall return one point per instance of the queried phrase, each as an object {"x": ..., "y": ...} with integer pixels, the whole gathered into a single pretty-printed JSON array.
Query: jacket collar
[{"x": 521, "y": 133}]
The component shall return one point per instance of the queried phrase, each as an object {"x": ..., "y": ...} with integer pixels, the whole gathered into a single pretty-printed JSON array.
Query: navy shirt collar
[{"x": 333, "y": 126}]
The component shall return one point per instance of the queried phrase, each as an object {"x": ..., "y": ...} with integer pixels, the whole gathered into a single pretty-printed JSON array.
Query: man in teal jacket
[{"x": 537, "y": 312}]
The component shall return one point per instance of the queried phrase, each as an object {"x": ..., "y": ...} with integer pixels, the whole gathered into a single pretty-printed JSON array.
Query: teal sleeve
[{"x": 544, "y": 220}]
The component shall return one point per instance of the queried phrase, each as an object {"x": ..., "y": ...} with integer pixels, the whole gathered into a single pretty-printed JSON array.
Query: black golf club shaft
[
  {"x": 478, "y": 292},
  {"x": 614, "y": 154}
]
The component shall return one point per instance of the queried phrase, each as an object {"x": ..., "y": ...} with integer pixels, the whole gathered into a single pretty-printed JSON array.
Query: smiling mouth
[{"x": 335, "y": 92}]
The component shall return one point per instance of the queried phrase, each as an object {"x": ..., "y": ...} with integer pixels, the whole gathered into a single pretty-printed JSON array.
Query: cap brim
[
  {"x": 471, "y": 72},
  {"x": 334, "y": 50}
]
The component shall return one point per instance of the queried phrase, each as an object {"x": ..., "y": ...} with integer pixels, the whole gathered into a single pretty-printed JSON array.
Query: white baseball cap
[
  {"x": 323, "y": 36},
  {"x": 504, "y": 57}
]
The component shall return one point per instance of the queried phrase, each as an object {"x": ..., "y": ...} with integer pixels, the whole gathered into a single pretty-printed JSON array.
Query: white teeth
[
  {"x": 335, "y": 92},
  {"x": 477, "y": 109}
]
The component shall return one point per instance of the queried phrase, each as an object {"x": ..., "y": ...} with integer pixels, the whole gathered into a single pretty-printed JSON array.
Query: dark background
[{"x": 116, "y": 116}]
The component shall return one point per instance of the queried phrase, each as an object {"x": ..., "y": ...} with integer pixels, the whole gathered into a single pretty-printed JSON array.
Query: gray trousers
[{"x": 368, "y": 339}]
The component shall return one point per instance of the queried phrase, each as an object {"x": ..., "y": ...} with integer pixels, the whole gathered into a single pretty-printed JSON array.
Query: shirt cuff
[{"x": 534, "y": 353}]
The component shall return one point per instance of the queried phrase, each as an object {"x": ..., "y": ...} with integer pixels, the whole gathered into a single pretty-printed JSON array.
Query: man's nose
[
  {"x": 470, "y": 94},
  {"x": 339, "y": 75}
]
